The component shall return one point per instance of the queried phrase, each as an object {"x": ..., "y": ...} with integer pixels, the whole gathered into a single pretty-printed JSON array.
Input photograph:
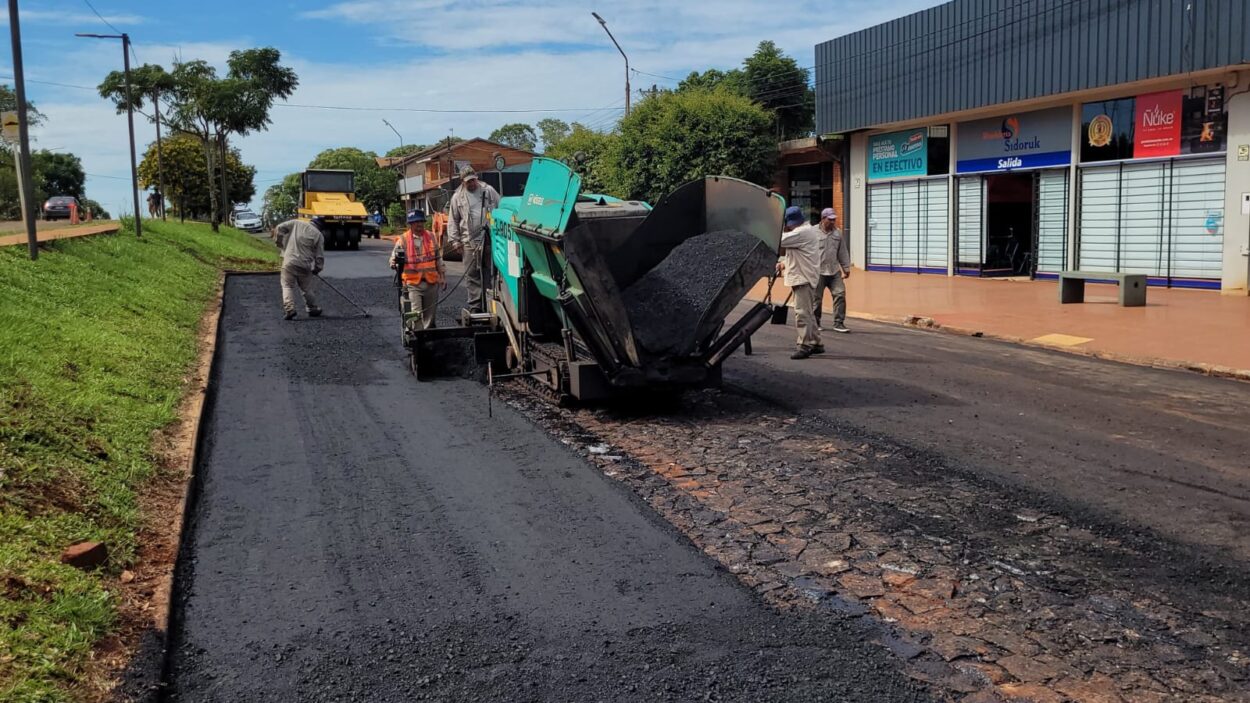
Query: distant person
[
  {"x": 467, "y": 227},
  {"x": 156, "y": 203},
  {"x": 422, "y": 272},
  {"x": 800, "y": 262},
  {"x": 303, "y": 257},
  {"x": 835, "y": 268}
]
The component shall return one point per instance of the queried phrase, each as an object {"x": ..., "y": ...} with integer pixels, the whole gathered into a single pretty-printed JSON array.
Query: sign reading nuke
[
  {"x": 1024, "y": 140},
  {"x": 898, "y": 154}
]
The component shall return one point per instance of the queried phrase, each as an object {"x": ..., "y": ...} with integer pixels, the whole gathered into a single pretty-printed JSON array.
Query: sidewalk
[
  {"x": 1187, "y": 328},
  {"x": 51, "y": 231}
]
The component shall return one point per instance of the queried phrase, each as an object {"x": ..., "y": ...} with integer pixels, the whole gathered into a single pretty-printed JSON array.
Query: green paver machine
[{"x": 562, "y": 263}]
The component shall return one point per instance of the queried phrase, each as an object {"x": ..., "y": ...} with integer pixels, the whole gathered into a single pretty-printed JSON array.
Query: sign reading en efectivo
[
  {"x": 1023, "y": 140},
  {"x": 899, "y": 154}
]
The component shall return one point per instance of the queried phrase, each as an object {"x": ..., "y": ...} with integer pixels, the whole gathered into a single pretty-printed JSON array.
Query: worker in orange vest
[{"x": 420, "y": 254}]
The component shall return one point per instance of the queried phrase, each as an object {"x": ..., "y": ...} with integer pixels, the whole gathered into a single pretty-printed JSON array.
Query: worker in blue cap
[
  {"x": 418, "y": 254},
  {"x": 802, "y": 244}
]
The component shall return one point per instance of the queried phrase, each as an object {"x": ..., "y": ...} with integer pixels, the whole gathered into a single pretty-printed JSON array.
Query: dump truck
[
  {"x": 331, "y": 195},
  {"x": 593, "y": 297}
]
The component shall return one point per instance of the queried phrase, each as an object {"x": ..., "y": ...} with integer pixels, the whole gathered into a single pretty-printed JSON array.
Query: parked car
[
  {"x": 247, "y": 221},
  {"x": 57, "y": 207},
  {"x": 371, "y": 229}
]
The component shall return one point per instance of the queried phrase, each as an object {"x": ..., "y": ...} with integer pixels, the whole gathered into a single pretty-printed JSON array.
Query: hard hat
[{"x": 416, "y": 216}]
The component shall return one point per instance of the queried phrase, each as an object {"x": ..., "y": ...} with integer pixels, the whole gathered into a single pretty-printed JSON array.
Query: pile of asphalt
[{"x": 666, "y": 304}]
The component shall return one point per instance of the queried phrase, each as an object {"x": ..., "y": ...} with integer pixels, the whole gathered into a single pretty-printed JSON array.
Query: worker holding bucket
[{"x": 801, "y": 244}]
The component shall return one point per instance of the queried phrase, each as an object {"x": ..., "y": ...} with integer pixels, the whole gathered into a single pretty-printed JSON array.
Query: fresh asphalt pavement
[
  {"x": 1157, "y": 453},
  {"x": 361, "y": 536}
]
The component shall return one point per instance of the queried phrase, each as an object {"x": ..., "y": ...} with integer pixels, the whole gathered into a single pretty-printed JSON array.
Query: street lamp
[
  {"x": 130, "y": 120},
  {"x": 396, "y": 131},
  {"x": 604, "y": 24}
]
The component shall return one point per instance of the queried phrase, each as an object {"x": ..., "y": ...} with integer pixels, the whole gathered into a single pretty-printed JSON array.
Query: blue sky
[{"x": 544, "y": 55}]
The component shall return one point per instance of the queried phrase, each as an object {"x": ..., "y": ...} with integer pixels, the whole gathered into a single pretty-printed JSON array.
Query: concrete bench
[{"x": 1132, "y": 286}]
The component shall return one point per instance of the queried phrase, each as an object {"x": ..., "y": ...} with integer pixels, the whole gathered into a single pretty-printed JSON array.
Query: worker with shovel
[
  {"x": 418, "y": 256},
  {"x": 303, "y": 257},
  {"x": 802, "y": 245}
]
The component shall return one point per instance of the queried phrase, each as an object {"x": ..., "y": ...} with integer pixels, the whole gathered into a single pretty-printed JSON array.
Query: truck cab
[{"x": 331, "y": 195}]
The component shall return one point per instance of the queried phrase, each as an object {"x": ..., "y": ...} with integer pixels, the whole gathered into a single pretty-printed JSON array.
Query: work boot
[
  {"x": 818, "y": 349},
  {"x": 289, "y": 315},
  {"x": 801, "y": 353},
  {"x": 314, "y": 312}
]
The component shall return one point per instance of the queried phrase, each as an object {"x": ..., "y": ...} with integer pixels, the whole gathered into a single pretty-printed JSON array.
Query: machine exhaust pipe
[{"x": 738, "y": 334}]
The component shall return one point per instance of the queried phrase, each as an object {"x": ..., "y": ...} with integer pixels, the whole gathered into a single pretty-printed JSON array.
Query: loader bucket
[{"x": 662, "y": 324}]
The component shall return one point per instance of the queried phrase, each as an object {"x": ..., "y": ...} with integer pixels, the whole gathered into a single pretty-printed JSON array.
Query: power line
[
  {"x": 431, "y": 110},
  {"x": 59, "y": 85},
  {"x": 656, "y": 75},
  {"x": 115, "y": 29}
]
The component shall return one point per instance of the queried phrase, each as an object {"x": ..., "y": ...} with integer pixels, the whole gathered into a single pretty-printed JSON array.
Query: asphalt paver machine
[{"x": 592, "y": 296}]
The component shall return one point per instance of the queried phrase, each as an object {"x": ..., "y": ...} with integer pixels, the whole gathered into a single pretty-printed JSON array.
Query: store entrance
[{"x": 1010, "y": 212}]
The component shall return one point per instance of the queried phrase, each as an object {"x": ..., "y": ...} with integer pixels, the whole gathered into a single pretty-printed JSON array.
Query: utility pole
[
  {"x": 160, "y": 159},
  {"x": 130, "y": 119},
  {"x": 23, "y": 135},
  {"x": 604, "y": 24}
]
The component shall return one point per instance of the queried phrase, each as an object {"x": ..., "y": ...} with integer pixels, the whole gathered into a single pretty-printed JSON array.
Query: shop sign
[
  {"x": 1023, "y": 140},
  {"x": 898, "y": 155},
  {"x": 1157, "y": 125}
]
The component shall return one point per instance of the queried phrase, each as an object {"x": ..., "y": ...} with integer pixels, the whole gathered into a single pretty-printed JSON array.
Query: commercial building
[
  {"x": 809, "y": 175},
  {"x": 1029, "y": 137}
]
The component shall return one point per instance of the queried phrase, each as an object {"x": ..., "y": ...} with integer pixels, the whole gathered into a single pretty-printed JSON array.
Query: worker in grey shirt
[
  {"x": 466, "y": 229},
  {"x": 303, "y": 257},
  {"x": 835, "y": 268},
  {"x": 800, "y": 262}
]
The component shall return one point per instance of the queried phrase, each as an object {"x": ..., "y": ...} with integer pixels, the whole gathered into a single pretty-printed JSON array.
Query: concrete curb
[{"x": 928, "y": 323}]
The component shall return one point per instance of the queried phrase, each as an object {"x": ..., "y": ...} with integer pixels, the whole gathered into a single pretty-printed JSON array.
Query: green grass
[{"x": 96, "y": 338}]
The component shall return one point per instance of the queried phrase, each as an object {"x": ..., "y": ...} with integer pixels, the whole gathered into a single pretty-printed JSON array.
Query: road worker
[
  {"x": 423, "y": 275},
  {"x": 466, "y": 227},
  {"x": 835, "y": 268},
  {"x": 801, "y": 243},
  {"x": 303, "y": 257}
]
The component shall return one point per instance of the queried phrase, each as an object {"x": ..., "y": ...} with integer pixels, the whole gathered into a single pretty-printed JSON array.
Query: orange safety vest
[{"x": 423, "y": 267}]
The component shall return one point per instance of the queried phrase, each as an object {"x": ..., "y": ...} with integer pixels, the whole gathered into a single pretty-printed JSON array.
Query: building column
[
  {"x": 1237, "y": 187},
  {"x": 859, "y": 200}
]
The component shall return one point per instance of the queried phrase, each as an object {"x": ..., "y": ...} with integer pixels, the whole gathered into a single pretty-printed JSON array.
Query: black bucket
[{"x": 780, "y": 314}]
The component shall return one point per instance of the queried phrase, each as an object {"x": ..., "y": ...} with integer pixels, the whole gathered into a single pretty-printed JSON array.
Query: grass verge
[{"x": 96, "y": 338}]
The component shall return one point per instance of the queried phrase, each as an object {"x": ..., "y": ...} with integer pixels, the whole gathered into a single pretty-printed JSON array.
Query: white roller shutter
[
  {"x": 1099, "y": 218},
  {"x": 1160, "y": 218},
  {"x": 971, "y": 220},
  {"x": 880, "y": 231},
  {"x": 1052, "y": 221},
  {"x": 907, "y": 213},
  {"x": 1197, "y": 207},
  {"x": 935, "y": 226}
]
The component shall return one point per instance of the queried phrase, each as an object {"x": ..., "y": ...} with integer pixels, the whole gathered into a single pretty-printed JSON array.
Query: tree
[
  {"x": 776, "y": 82},
  {"x": 516, "y": 135},
  {"x": 733, "y": 80},
  {"x": 586, "y": 151},
  {"x": 281, "y": 201},
  {"x": 190, "y": 190},
  {"x": 147, "y": 84},
  {"x": 406, "y": 150},
  {"x": 671, "y": 138},
  {"x": 553, "y": 131},
  {"x": 375, "y": 186},
  {"x": 57, "y": 174},
  {"x": 97, "y": 210}
]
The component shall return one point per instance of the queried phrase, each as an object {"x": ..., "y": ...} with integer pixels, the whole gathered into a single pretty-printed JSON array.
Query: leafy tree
[
  {"x": 190, "y": 191},
  {"x": 552, "y": 131},
  {"x": 671, "y": 138},
  {"x": 57, "y": 174},
  {"x": 375, "y": 186},
  {"x": 406, "y": 150},
  {"x": 281, "y": 201},
  {"x": 776, "y": 81},
  {"x": 8, "y": 103},
  {"x": 516, "y": 135},
  {"x": 97, "y": 210},
  {"x": 733, "y": 80},
  {"x": 586, "y": 150}
]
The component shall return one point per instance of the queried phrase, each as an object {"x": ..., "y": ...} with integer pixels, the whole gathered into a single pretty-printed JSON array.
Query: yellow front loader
[{"x": 331, "y": 195}]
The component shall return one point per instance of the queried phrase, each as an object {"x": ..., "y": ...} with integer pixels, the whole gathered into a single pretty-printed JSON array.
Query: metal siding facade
[{"x": 968, "y": 54}]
